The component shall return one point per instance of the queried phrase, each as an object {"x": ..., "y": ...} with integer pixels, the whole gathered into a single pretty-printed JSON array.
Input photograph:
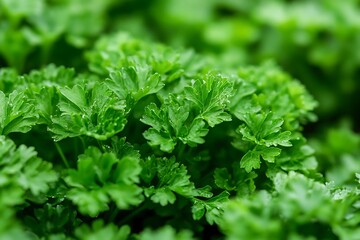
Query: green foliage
[
  {"x": 22, "y": 173},
  {"x": 24, "y": 178},
  {"x": 212, "y": 208},
  {"x": 164, "y": 233},
  {"x": 338, "y": 153},
  {"x": 134, "y": 82},
  {"x": 16, "y": 113},
  {"x": 112, "y": 128},
  {"x": 99, "y": 231},
  {"x": 296, "y": 202},
  {"x": 101, "y": 177},
  {"x": 95, "y": 112},
  {"x": 307, "y": 38},
  {"x": 188, "y": 115}
]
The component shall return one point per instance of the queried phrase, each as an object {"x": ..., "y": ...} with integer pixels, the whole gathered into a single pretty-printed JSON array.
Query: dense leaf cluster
[{"x": 135, "y": 139}]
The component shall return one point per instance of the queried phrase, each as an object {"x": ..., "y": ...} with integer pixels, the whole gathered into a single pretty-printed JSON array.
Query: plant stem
[
  {"x": 131, "y": 215},
  {"x": 83, "y": 143},
  {"x": 181, "y": 151},
  {"x": 61, "y": 153},
  {"x": 113, "y": 214},
  {"x": 101, "y": 145}
]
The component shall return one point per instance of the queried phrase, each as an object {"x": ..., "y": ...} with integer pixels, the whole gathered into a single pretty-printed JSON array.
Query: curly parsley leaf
[
  {"x": 187, "y": 116},
  {"x": 135, "y": 82},
  {"x": 251, "y": 160},
  {"x": 123, "y": 50},
  {"x": 9, "y": 80},
  {"x": 301, "y": 201},
  {"x": 267, "y": 88},
  {"x": 50, "y": 75},
  {"x": 171, "y": 123},
  {"x": 17, "y": 113},
  {"x": 238, "y": 180},
  {"x": 57, "y": 218},
  {"x": 171, "y": 178},
  {"x": 102, "y": 177},
  {"x": 95, "y": 112},
  {"x": 264, "y": 129},
  {"x": 210, "y": 94},
  {"x": 99, "y": 230},
  {"x": 212, "y": 208},
  {"x": 9, "y": 227},
  {"x": 165, "y": 233},
  {"x": 22, "y": 171}
]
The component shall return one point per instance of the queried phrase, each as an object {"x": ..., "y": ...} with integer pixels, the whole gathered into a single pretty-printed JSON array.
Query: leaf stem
[
  {"x": 113, "y": 214},
  {"x": 129, "y": 216},
  {"x": 61, "y": 153},
  {"x": 181, "y": 151},
  {"x": 101, "y": 145},
  {"x": 83, "y": 143}
]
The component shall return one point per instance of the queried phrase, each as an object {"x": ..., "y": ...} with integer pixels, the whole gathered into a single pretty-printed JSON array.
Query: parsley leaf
[
  {"x": 186, "y": 117},
  {"x": 99, "y": 230},
  {"x": 101, "y": 177},
  {"x": 212, "y": 208},
  {"x": 172, "y": 178},
  {"x": 264, "y": 129},
  {"x": 171, "y": 123},
  {"x": 135, "y": 82},
  {"x": 251, "y": 160},
  {"x": 95, "y": 112},
  {"x": 210, "y": 94},
  {"x": 165, "y": 233},
  {"x": 22, "y": 171},
  {"x": 16, "y": 113}
]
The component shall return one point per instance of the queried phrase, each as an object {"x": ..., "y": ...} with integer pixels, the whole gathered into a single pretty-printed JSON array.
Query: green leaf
[
  {"x": 50, "y": 24},
  {"x": 46, "y": 101},
  {"x": 251, "y": 218},
  {"x": 297, "y": 200},
  {"x": 238, "y": 179},
  {"x": 14, "y": 45},
  {"x": 196, "y": 133},
  {"x": 9, "y": 80},
  {"x": 90, "y": 202},
  {"x": 160, "y": 134},
  {"x": 165, "y": 233},
  {"x": 299, "y": 157},
  {"x": 135, "y": 81},
  {"x": 264, "y": 129},
  {"x": 124, "y": 195},
  {"x": 210, "y": 94},
  {"x": 101, "y": 177},
  {"x": 268, "y": 88},
  {"x": 251, "y": 160},
  {"x": 10, "y": 228},
  {"x": 21, "y": 171},
  {"x": 51, "y": 218},
  {"x": 198, "y": 210},
  {"x": 163, "y": 195},
  {"x": 17, "y": 8},
  {"x": 223, "y": 179},
  {"x": 212, "y": 208},
  {"x": 99, "y": 230},
  {"x": 95, "y": 112},
  {"x": 49, "y": 76},
  {"x": 17, "y": 113},
  {"x": 173, "y": 122},
  {"x": 163, "y": 140},
  {"x": 172, "y": 178}
]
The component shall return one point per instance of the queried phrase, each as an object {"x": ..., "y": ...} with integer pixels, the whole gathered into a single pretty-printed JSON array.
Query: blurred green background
[{"x": 317, "y": 42}]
